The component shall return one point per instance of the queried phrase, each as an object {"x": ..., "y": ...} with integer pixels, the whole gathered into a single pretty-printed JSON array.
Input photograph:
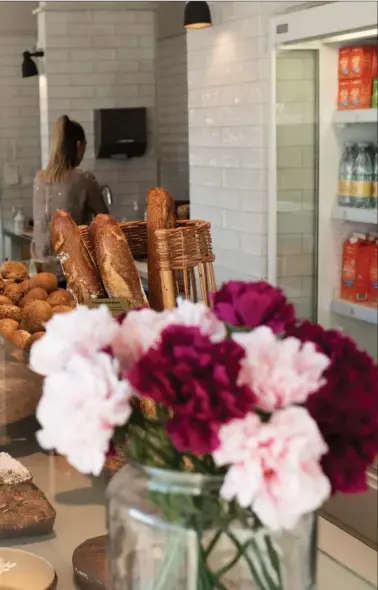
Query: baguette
[
  {"x": 79, "y": 268},
  {"x": 161, "y": 214},
  {"x": 115, "y": 262}
]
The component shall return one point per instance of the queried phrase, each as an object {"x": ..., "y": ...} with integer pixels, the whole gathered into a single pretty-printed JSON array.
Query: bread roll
[
  {"x": 5, "y": 300},
  {"x": 15, "y": 271},
  {"x": 34, "y": 294},
  {"x": 44, "y": 280},
  {"x": 79, "y": 268},
  {"x": 35, "y": 315},
  {"x": 19, "y": 338},
  {"x": 7, "y": 326},
  {"x": 60, "y": 297},
  {"x": 10, "y": 312},
  {"x": 160, "y": 215},
  {"x": 114, "y": 259}
]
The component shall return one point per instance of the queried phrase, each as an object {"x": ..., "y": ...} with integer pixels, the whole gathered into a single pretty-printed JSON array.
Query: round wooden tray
[{"x": 21, "y": 570}]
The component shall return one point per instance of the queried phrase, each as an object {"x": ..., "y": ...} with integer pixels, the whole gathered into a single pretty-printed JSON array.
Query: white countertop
[{"x": 79, "y": 503}]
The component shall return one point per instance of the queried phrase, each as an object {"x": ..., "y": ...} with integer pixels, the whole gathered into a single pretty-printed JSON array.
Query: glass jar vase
[{"x": 171, "y": 531}]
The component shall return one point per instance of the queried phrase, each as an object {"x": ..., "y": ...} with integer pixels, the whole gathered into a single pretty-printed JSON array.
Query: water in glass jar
[
  {"x": 346, "y": 175},
  {"x": 362, "y": 178}
]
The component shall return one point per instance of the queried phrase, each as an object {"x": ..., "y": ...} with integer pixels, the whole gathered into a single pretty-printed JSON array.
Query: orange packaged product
[
  {"x": 374, "y": 62},
  {"x": 344, "y": 63},
  {"x": 373, "y": 274},
  {"x": 361, "y": 60},
  {"x": 360, "y": 92},
  {"x": 343, "y": 96},
  {"x": 355, "y": 269}
]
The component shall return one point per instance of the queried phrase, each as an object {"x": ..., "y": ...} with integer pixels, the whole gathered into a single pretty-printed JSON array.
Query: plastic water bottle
[
  {"x": 345, "y": 176},
  {"x": 362, "y": 178}
]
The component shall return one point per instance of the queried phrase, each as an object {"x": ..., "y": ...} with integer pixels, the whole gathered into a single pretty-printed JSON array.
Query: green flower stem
[{"x": 266, "y": 584}]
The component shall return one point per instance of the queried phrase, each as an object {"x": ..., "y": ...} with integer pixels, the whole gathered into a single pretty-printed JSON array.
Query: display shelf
[
  {"x": 363, "y": 313},
  {"x": 357, "y": 215},
  {"x": 353, "y": 117}
]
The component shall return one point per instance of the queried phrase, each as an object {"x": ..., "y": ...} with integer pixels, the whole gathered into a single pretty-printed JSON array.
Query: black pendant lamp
[
  {"x": 197, "y": 15},
  {"x": 29, "y": 67}
]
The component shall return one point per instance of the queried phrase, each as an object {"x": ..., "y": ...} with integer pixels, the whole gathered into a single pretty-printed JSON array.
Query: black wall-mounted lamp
[
  {"x": 197, "y": 15},
  {"x": 29, "y": 67}
]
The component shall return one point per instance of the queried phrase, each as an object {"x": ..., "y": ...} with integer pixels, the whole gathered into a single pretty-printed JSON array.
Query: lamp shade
[
  {"x": 197, "y": 15},
  {"x": 29, "y": 67}
]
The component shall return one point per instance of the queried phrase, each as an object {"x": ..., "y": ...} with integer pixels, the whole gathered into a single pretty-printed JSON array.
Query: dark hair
[{"x": 64, "y": 156}]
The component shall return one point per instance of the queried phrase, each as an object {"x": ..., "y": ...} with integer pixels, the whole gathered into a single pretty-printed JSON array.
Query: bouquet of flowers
[{"x": 285, "y": 411}]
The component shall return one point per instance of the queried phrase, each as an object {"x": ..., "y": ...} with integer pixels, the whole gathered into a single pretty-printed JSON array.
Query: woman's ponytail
[{"x": 63, "y": 157}]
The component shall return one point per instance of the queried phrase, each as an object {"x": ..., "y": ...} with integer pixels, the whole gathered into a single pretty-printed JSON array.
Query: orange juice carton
[
  {"x": 344, "y": 63},
  {"x": 373, "y": 273},
  {"x": 361, "y": 61},
  {"x": 355, "y": 269},
  {"x": 360, "y": 93},
  {"x": 374, "y": 62},
  {"x": 343, "y": 95}
]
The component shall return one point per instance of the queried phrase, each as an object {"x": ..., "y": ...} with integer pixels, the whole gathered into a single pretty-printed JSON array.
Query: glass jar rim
[{"x": 179, "y": 481}]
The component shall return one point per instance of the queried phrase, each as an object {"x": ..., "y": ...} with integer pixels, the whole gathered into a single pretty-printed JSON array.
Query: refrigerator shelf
[
  {"x": 356, "y": 311},
  {"x": 357, "y": 116},
  {"x": 357, "y": 215}
]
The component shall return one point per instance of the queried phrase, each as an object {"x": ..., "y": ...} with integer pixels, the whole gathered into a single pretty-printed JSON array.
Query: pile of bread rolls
[{"x": 27, "y": 303}]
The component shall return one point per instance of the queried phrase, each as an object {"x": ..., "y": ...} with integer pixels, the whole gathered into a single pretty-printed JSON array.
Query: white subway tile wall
[
  {"x": 102, "y": 59},
  {"x": 228, "y": 83},
  {"x": 172, "y": 116},
  {"x": 19, "y": 124}
]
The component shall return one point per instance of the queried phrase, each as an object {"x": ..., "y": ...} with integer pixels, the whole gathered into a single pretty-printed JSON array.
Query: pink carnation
[
  {"x": 280, "y": 372},
  {"x": 142, "y": 329},
  {"x": 84, "y": 331},
  {"x": 80, "y": 408},
  {"x": 275, "y": 466}
]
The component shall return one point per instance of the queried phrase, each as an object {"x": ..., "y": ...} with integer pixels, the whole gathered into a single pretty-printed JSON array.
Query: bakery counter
[{"x": 79, "y": 504}]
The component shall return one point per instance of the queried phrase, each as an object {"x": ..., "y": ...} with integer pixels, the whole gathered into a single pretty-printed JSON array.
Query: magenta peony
[
  {"x": 345, "y": 408},
  {"x": 253, "y": 304},
  {"x": 197, "y": 380}
]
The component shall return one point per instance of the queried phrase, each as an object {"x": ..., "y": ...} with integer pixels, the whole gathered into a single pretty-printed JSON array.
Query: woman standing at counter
[{"x": 64, "y": 186}]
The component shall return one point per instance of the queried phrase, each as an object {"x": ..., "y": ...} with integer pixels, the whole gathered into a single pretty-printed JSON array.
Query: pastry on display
[
  {"x": 60, "y": 297},
  {"x": 13, "y": 270},
  {"x": 10, "y": 312},
  {"x": 35, "y": 315},
  {"x": 19, "y": 338},
  {"x": 14, "y": 292},
  {"x": 27, "y": 303},
  {"x": 161, "y": 214},
  {"x": 5, "y": 300},
  {"x": 37, "y": 293},
  {"x": 115, "y": 262},
  {"x": 24, "y": 509},
  {"x": 44, "y": 280},
  {"x": 79, "y": 268},
  {"x": 7, "y": 326}
]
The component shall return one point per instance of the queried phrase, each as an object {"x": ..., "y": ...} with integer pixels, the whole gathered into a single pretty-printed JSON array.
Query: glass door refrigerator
[{"x": 323, "y": 183}]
